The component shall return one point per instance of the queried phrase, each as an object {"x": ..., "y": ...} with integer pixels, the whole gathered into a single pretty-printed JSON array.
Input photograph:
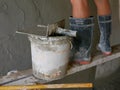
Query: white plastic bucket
[{"x": 50, "y": 56}]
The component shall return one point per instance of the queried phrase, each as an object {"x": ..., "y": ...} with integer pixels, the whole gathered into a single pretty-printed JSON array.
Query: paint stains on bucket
[{"x": 50, "y": 56}]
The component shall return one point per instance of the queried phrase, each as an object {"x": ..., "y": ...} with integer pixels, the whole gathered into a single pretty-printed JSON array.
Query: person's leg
[
  {"x": 105, "y": 22},
  {"x": 103, "y": 7},
  {"x": 83, "y": 24},
  {"x": 80, "y": 8}
]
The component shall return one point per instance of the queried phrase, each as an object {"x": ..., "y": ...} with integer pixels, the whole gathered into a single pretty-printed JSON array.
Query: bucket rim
[{"x": 51, "y": 38}]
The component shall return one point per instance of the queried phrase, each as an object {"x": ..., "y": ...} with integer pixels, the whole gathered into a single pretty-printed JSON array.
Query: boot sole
[
  {"x": 82, "y": 62},
  {"x": 104, "y": 53},
  {"x": 107, "y": 53}
]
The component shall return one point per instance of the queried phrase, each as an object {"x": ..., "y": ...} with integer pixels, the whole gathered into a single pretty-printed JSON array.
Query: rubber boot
[
  {"x": 105, "y": 32},
  {"x": 83, "y": 42}
]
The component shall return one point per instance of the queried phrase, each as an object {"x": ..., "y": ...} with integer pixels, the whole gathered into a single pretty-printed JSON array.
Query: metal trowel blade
[{"x": 42, "y": 30}]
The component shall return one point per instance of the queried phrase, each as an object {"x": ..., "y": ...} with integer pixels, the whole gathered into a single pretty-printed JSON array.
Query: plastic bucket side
[{"x": 50, "y": 57}]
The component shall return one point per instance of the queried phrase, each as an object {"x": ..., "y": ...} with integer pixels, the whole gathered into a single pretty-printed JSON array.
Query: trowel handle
[{"x": 66, "y": 32}]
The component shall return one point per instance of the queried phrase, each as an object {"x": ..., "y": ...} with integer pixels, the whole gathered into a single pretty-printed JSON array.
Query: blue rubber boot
[
  {"x": 105, "y": 32},
  {"x": 83, "y": 42}
]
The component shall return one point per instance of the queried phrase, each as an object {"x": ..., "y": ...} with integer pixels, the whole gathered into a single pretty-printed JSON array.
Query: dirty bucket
[{"x": 50, "y": 56}]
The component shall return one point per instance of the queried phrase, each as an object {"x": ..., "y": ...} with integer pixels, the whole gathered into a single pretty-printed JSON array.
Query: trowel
[{"x": 49, "y": 30}]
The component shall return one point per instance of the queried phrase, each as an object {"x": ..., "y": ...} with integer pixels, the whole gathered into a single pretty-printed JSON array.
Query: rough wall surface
[
  {"x": 109, "y": 68},
  {"x": 18, "y": 14}
]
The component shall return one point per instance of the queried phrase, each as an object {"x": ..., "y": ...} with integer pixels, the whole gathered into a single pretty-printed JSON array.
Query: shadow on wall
[
  {"x": 116, "y": 22},
  {"x": 114, "y": 65},
  {"x": 119, "y": 11}
]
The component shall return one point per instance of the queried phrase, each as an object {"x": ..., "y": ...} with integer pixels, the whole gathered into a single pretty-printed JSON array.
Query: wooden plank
[
  {"x": 49, "y": 86},
  {"x": 15, "y": 76},
  {"x": 97, "y": 59},
  {"x": 30, "y": 80}
]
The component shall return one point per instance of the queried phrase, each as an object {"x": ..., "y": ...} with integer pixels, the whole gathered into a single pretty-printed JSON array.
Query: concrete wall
[
  {"x": 116, "y": 22},
  {"x": 110, "y": 68},
  {"x": 19, "y": 14}
]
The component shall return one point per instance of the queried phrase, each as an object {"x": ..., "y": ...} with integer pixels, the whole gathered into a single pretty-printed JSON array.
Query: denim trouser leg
[
  {"x": 83, "y": 42},
  {"x": 105, "y": 32}
]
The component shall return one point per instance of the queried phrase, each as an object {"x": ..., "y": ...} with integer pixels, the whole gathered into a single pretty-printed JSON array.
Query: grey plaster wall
[
  {"x": 107, "y": 69},
  {"x": 19, "y": 14}
]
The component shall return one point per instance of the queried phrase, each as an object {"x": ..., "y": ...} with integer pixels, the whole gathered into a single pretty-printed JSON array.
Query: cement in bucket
[{"x": 50, "y": 56}]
